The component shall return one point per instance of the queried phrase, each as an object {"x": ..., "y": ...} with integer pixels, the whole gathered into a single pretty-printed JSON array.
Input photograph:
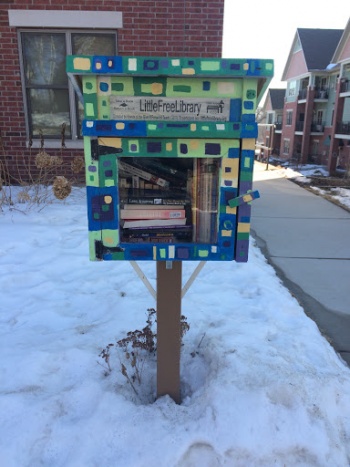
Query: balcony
[
  {"x": 317, "y": 127},
  {"x": 321, "y": 93},
  {"x": 345, "y": 85},
  {"x": 343, "y": 128},
  {"x": 299, "y": 126},
  {"x": 302, "y": 94},
  {"x": 278, "y": 126}
]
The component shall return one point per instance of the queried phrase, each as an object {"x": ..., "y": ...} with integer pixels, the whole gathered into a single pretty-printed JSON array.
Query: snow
[
  {"x": 260, "y": 385},
  {"x": 302, "y": 174}
]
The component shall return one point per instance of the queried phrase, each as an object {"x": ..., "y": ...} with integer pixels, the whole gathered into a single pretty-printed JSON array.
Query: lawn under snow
[
  {"x": 301, "y": 175},
  {"x": 260, "y": 385}
]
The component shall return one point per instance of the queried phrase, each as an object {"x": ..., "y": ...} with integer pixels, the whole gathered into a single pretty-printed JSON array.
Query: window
[
  {"x": 50, "y": 100},
  {"x": 286, "y": 143},
  {"x": 292, "y": 85},
  {"x": 289, "y": 118},
  {"x": 315, "y": 147},
  {"x": 320, "y": 82},
  {"x": 270, "y": 117}
]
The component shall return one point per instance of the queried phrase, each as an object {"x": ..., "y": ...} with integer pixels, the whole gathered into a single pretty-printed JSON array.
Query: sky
[
  {"x": 260, "y": 385},
  {"x": 266, "y": 29}
]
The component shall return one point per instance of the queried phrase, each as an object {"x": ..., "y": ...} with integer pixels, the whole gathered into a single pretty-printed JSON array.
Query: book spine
[
  {"x": 152, "y": 213},
  {"x": 207, "y": 203},
  {"x": 194, "y": 194},
  {"x": 157, "y": 240},
  {"x": 135, "y": 207},
  {"x": 179, "y": 234},
  {"x": 128, "y": 224},
  {"x": 149, "y": 201},
  {"x": 214, "y": 208},
  {"x": 203, "y": 229},
  {"x": 174, "y": 176}
]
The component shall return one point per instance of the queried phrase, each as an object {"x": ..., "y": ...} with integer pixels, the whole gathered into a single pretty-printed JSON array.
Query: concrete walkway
[{"x": 307, "y": 240}]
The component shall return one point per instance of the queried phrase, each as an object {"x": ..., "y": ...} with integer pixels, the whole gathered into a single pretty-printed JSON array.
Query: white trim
[
  {"x": 65, "y": 19},
  {"x": 72, "y": 141},
  {"x": 57, "y": 143}
]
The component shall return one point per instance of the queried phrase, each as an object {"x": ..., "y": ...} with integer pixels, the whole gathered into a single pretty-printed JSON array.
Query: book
[
  {"x": 154, "y": 197},
  {"x": 171, "y": 239},
  {"x": 175, "y": 176},
  {"x": 194, "y": 194},
  {"x": 123, "y": 183},
  {"x": 132, "y": 170},
  {"x": 167, "y": 234},
  {"x": 152, "y": 214},
  {"x": 135, "y": 181},
  {"x": 207, "y": 201},
  {"x": 155, "y": 206},
  {"x": 128, "y": 224},
  {"x": 156, "y": 201}
]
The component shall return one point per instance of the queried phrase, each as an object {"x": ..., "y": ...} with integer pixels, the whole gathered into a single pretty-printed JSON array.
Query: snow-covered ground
[
  {"x": 260, "y": 385},
  {"x": 303, "y": 174}
]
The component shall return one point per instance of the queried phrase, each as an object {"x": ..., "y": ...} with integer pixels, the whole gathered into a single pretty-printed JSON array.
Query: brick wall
[{"x": 150, "y": 27}]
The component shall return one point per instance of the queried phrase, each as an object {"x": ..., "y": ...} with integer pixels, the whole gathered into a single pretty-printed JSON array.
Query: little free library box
[{"x": 169, "y": 150}]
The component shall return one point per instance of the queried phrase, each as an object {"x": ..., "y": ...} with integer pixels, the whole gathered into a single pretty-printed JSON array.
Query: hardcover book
[
  {"x": 128, "y": 224},
  {"x": 152, "y": 214}
]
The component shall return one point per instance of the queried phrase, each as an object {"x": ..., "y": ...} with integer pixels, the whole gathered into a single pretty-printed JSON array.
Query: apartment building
[
  {"x": 316, "y": 111},
  {"x": 270, "y": 129}
]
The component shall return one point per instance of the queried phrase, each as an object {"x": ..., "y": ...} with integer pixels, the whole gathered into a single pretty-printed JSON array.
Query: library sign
[
  {"x": 136, "y": 108},
  {"x": 169, "y": 150}
]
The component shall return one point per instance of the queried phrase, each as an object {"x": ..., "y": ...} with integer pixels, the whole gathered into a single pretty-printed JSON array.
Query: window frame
[
  {"x": 74, "y": 140},
  {"x": 292, "y": 88},
  {"x": 315, "y": 147},
  {"x": 270, "y": 117},
  {"x": 286, "y": 146}
]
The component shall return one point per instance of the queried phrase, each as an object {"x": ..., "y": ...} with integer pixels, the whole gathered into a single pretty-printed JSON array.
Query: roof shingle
[
  {"x": 277, "y": 98},
  {"x": 319, "y": 46}
]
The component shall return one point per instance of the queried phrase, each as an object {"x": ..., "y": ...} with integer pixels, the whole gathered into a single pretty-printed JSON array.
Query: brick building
[
  {"x": 38, "y": 106},
  {"x": 269, "y": 140},
  {"x": 315, "y": 127}
]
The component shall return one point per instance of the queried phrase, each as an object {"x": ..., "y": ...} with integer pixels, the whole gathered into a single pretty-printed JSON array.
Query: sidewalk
[{"x": 307, "y": 240}]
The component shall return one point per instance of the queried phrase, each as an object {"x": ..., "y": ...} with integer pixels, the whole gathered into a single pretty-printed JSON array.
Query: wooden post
[{"x": 169, "y": 278}]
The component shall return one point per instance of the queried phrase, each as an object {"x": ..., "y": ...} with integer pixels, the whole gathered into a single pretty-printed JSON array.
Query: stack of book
[
  {"x": 166, "y": 201},
  {"x": 155, "y": 223}
]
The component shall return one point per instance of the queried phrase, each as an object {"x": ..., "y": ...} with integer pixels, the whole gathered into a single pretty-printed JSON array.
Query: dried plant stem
[
  {"x": 40, "y": 182},
  {"x": 125, "y": 373},
  {"x": 137, "y": 346}
]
